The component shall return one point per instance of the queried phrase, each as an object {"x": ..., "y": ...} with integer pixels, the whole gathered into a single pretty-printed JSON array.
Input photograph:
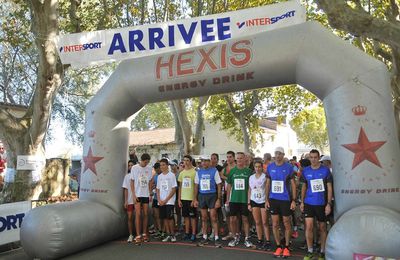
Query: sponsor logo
[
  {"x": 81, "y": 47},
  {"x": 262, "y": 21},
  {"x": 11, "y": 222}
]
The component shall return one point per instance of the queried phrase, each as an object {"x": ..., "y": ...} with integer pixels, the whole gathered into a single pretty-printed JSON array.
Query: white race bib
[
  {"x": 257, "y": 193},
  {"x": 187, "y": 183},
  {"x": 143, "y": 181},
  {"x": 205, "y": 184},
  {"x": 277, "y": 187},
  {"x": 164, "y": 185},
  {"x": 317, "y": 185},
  {"x": 239, "y": 184}
]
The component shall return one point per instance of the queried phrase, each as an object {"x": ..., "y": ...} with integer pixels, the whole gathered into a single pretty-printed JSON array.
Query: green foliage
[
  {"x": 155, "y": 115},
  {"x": 310, "y": 127}
]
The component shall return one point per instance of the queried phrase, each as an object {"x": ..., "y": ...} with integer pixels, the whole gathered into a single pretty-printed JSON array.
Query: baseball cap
[
  {"x": 325, "y": 158},
  {"x": 279, "y": 149},
  {"x": 205, "y": 157}
]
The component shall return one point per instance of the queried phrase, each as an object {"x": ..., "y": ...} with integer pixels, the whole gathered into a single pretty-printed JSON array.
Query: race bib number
[
  {"x": 239, "y": 184},
  {"x": 317, "y": 185},
  {"x": 257, "y": 193},
  {"x": 164, "y": 185},
  {"x": 277, "y": 187},
  {"x": 143, "y": 182},
  {"x": 187, "y": 183},
  {"x": 205, "y": 184}
]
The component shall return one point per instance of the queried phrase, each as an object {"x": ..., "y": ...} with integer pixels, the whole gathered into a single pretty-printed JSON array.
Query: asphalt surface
[{"x": 119, "y": 249}]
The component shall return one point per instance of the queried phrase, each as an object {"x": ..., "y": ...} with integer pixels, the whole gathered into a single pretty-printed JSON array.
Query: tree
[
  {"x": 310, "y": 127},
  {"x": 374, "y": 27},
  {"x": 156, "y": 115}
]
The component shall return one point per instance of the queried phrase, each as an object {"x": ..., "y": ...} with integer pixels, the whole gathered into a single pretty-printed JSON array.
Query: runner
[
  {"x": 237, "y": 191},
  {"x": 166, "y": 196},
  {"x": 316, "y": 201},
  {"x": 186, "y": 196},
  {"x": 141, "y": 178},
  {"x": 208, "y": 197},
  {"x": 154, "y": 206},
  {"x": 230, "y": 164},
  {"x": 128, "y": 198},
  {"x": 256, "y": 204},
  {"x": 280, "y": 178}
]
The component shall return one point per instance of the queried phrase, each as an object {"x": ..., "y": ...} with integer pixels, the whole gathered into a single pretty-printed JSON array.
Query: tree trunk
[
  {"x": 197, "y": 140},
  {"x": 24, "y": 136},
  {"x": 179, "y": 106},
  {"x": 178, "y": 129},
  {"x": 245, "y": 132}
]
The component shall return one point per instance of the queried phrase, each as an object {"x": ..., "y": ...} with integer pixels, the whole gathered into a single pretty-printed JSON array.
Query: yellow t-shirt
[{"x": 186, "y": 181}]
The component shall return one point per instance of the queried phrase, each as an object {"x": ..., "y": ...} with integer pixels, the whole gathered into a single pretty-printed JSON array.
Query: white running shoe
[
  {"x": 130, "y": 239},
  {"x": 234, "y": 242},
  {"x": 167, "y": 239}
]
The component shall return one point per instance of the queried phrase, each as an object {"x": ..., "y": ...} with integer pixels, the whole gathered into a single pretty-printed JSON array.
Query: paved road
[{"x": 119, "y": 249}]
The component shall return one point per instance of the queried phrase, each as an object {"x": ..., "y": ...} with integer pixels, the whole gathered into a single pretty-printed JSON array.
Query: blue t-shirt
[
  {"x": 207, "y": 180},
  {"x": 280, "y": 177},
  {"x": 316, "y": 180}
]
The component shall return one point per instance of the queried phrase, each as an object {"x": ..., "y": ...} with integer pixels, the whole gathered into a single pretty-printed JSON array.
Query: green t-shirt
[
  {"x": 186, "y": 180},
  {"x": 239, "y": 181}
]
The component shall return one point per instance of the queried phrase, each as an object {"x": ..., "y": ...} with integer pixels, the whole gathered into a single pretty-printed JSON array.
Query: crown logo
[{"x": 359, "y": 110}]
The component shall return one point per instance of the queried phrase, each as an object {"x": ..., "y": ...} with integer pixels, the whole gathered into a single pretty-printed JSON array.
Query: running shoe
[
  {"x": 138, "y": 240},
  {"x": 167, "y": 239},
  {"x": 173, "y": 239},
  {"x": 267, "y": 246},
  {"x": 186, "y": 237},
  {"x": 193, "y": 238},
  {"x": 286, "y": 252},
  {"x": 203, "y": 242},
  {"x": 248, "y": 243},
  {"x": 217, "y": 243},
  {"x": 321, "y": 256},
  {"x": 278, "y": 252},
  {"x": 234, "y": 242},
  {"x": 295, "y": 234},
  {"x": 308, "y": 256},
  {"x": 199, "y": 235},
  {"x": 145, "y": 238},
  {"x": 228, "y": 237},
  {"x": 259, "y": 245},
  {"x": 130, "y": 239}
]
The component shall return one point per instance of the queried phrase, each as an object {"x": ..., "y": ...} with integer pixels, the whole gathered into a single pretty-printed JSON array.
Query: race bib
[
  {"x": 164, "y": 185},
  {"x": 257, "y": 193},
  {"x": 205, "y": 184},
  {"x": 187, "y": 183},
  {"x": 239, "y": 184},
  {"x": 143, "y": 182},
  {"x": 277, "y": 187},
  {"x": 317, "y": 185}
]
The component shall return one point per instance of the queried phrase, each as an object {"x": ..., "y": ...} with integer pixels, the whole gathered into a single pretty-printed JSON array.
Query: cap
[
  {"x": 205, "y": 157},
  {"x": 279, "y": 149},
  {"x": 173, "y": 162},
  {"x": 325, "y": 158}
]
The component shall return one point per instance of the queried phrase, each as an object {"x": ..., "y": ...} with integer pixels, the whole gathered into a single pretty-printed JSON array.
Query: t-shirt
[
  {"x": 127, "y": 185},
  {"x": 155, "y": 178},
  {"x": 207, "y": 179},
  {"x": 165, "y": 184},
  {"x": 186, "y": 179},
  {"x": 239, "y": 181},
  {"x": 280, "y": 177},
  {"x": 141, "y": 177},
  {"x": 257, "y": 186},
  {"x": 316, "y": 180}
]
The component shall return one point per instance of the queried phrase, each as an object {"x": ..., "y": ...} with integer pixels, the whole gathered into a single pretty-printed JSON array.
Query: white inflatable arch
[{"x": 355, "y": 90}]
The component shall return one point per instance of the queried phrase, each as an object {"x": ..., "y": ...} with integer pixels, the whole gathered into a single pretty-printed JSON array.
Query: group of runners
[{"x": 244, "y": 192}]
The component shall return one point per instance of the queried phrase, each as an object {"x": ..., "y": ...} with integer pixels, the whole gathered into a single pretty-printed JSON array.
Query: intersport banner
[{"x": 90, "y": 48}]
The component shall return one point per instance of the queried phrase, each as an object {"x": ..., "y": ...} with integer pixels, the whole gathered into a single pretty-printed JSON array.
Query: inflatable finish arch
[{"x": 355, "y": 91}]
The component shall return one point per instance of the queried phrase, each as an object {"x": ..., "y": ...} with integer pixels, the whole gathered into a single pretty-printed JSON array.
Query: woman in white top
[{"x": 256, "y": 204}]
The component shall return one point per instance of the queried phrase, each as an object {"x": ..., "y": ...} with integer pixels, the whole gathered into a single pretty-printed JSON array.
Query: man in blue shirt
[
  {"x": 281, "y": 192},
  {"x": 316, "y": 201}
]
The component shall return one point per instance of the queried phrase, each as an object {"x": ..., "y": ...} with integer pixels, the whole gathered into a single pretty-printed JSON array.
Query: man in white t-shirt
[
  {"x": 141, "y": 178},
  {"x": 128, "y": 204},
  {"x": 166, "y": 196}
]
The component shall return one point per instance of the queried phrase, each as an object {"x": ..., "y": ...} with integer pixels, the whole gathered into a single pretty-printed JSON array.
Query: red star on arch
[
  {"x": 364, "y": 150},
  {"x": 90, "y": 161}
]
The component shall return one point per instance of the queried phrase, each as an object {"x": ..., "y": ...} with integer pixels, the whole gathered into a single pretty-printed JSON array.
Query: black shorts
[
  {"x": 155, "y": 204},
  {"x": 187, "y": 210},
  {"x": 317, "y": 211},
  {"x": 167, "y": 212},
  {"x": 238, "y": 209},
  {"x": 142, "y": 200},
  {"x": 257, "y": 205},
  {"x": 207, "y": 201},
  {"x": 280, "y": 207}
]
